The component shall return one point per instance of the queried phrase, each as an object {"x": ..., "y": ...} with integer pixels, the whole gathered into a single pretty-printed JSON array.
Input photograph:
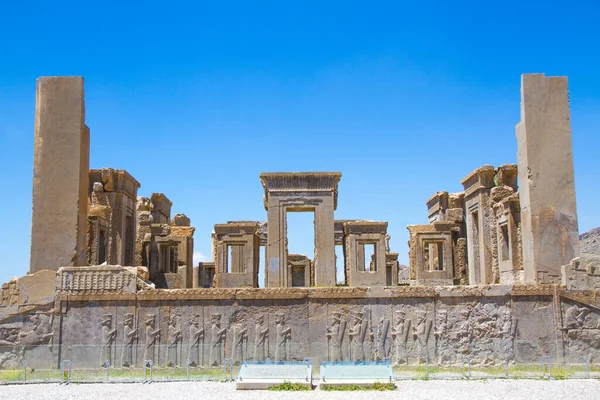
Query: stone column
[
  {"x": 324, "y": 261},
  {"x": 550, "y": 233},
  {"x": 60, "y": 175}
]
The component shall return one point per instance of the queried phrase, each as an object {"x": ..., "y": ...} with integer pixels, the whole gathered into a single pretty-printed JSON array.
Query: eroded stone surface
[{"x": 60, "y": 175}]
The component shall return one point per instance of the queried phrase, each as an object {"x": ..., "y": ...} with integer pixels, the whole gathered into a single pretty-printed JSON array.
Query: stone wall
[{"x": 489, "y": 324}]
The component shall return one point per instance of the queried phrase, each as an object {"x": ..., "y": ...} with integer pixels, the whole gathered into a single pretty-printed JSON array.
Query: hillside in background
[{"x": 590, "y": 242}]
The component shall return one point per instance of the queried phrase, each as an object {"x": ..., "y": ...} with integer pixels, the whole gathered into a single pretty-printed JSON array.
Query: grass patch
[
  {"x": 527, "y": 371},
  {"x": 123, "y": 374},
  {"x": 290, "y": 387},
  {"x": 355, "y": 388}
]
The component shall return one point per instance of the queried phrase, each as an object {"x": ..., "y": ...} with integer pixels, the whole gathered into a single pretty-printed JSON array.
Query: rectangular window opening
[
  {"x": 261, "y": 267},
  {"x": 439, "y": 262},
  {"x": 505, "y": 245},
  {"x": 301, "y": 234},
  {"x": 129, "y": 240},
  {"x": 369, "y": 263},
  {"x": 298, "y": 276},
  {"x": 235, "y": 259},
  {"x": 340, "y": 271},
  {"x": 173, "y": 262},
  {"x": 101, "y": 246}
]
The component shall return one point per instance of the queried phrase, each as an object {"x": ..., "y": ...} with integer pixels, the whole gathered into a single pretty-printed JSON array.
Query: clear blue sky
[{"x": 195, "y": 99}]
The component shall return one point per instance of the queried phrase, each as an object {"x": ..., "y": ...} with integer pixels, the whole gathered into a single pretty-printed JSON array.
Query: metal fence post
[
  {"x": 68, "y": 364},
  {"x": 587, "y": 366},
  {"x": 107, "y": 364},
  {"x": 507, "y": 367},
  {"x": 24, "y": 370},
  {"x": 187, "y": 368},
  {"x": 308, "y": 362},
  {"x": 230, "y": 362},
  {"x": 427, "y": 365},
  {"x": 545, "y": 361},
  {"x": 468, "y": 365},
  {"x": 147, "y": 365}
]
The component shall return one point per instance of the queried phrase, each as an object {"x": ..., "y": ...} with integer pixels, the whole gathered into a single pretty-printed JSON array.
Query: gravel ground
[{"x": 492, "y": 389}]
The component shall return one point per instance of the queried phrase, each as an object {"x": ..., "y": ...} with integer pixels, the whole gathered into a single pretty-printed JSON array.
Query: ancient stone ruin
[{"x": 494, "y": 275}]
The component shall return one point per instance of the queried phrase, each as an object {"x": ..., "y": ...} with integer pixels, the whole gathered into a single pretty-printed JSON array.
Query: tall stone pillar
[
  {"x": 60, "y": 175},
  {"x": 550, "y": 234}
]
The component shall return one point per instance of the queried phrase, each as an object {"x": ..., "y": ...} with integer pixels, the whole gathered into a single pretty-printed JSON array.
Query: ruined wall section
[{"x": 490, "y": 325}]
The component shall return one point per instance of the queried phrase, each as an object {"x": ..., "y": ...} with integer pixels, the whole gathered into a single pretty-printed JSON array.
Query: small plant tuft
[
  {"x": 354, "y": 388},
  {"x": 289, "y": 387}
]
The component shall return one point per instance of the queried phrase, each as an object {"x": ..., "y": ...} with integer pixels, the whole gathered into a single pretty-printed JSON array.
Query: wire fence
[{"x": 20, "y": 364}]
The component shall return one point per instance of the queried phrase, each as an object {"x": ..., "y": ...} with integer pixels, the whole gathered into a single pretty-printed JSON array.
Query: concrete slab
[
  {"x": 260, "y": 376},
  {"x": 355, "y": 373}
]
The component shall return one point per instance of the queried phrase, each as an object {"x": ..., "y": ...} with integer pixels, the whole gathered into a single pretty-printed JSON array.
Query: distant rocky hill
[{"x": 590, "y": 242}]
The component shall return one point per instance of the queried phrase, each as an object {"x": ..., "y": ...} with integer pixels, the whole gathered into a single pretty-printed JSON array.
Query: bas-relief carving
[
  {"x": 357, "y": 335},
  {"x": 108, "y": 339},
  {"x": 283, "y": 338},
  {"x": 40, "y": 332},
  {"x": 174, "y": 339},
  {"x": 196, "y": 342},
  {"x": 421, "y": 331},
  {"x": 130, "y": 337},
  {"x": 335, "y": 337},
  {"x": 400, "y": 334},
  {"x": 383, "y": 342},
  {"x": 10, "y": 356},
  {"x": 152, "y": 339},
  {"x": 581, "y": 331},
  {"x": 261, "y": 337},
  {"x": 217, "y": 340},
  {"x": 401, "y": 338},
  {"x": 239, "y": 351},
  {"x": 9, "y": 293},
  {"x": 484, "y": 331}
]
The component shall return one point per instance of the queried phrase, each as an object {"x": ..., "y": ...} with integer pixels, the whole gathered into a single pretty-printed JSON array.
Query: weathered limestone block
[
  {"x": 141, "y": 272},
  {"x": 60, "y": 175},
  {"x": 582, "y": 273},
  {"x": 550, "y": 232},
  {"x": 9, "y": 293},
  {"x": 479, "y": 224},
  {"x": 181, "y": 220},
  {"x": 506, "y": 250},
  {"x": 111, "y": 220},
  {"x": 37, "y": 288},
  {"x": 580, "y": 331},
  {"x": 161, "y": 208},
  {"x": 461, "y": 264},
  {"x": 437, "y": 206},
  {"x": 97, "y": 279}
]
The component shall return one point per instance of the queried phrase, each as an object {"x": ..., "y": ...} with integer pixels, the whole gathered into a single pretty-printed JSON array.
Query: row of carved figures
[
  {"x": 349, "y": 334},
  {"x": 195, "y": 352},
  {"x": 408, "y": 333}
]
